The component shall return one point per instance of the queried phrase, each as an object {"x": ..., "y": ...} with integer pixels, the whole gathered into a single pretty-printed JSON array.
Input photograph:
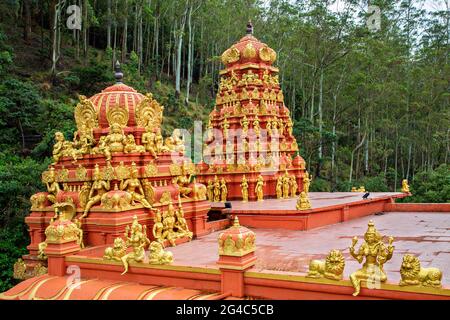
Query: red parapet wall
[{"x": 417, "y": 207}]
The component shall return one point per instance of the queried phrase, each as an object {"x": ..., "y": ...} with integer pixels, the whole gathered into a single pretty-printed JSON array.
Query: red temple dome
[{"x": 249, "y": 50}]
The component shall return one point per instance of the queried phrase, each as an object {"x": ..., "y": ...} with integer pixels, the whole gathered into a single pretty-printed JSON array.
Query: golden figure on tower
[
  {"x": 148, "y": 140},
  {"x": 53, "y": 187},
  {"x": 210, "y": 191},
  {"x": 279, "y": 187},
  {"x": 98, "y": 189},
  {"x": 376, "y": 254},
  {"x": 223, "y": 190},
  {"x": 216, "y": 189},
  {"x": 134, "y": 187},
  {"x": 294, "y": 186},
  {"x": 116, "y": 139}
]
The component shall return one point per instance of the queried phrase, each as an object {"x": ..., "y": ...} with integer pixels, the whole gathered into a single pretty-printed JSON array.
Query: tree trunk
[
  {"x": 108, "y": 30},
  {"x": 27, "y": 20},
  {"x": 179, "y": 51},
  {"x": 125, "y": 33}
]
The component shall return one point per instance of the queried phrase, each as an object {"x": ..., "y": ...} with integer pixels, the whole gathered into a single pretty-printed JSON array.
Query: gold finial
[{"x": 236, "y": 222}]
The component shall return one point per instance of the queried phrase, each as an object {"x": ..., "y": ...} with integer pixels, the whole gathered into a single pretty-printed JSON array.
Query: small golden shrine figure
[
  {"x": 303, "y": 202},
  {"x": 376, "y": 253},
  {"x": 405, "y": 186}
]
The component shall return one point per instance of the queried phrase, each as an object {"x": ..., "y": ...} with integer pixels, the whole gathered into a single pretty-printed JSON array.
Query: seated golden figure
[
  {"x": 116, "y": 139},
  {"x": 414, "y": 275},
  {"x": 136, "y": 237},
  {"x": 53, "y": 187},
  {"x": 148, "y": 140},
  {"x": 131, "y": 146},
  {"x": 303, "y": 202},
  {"x": 99, "y": 187},
  {"x": 84, "y": 139},
  {"x": 134, "y": 187},
  {"x": 102, "y": 148},
  {"x": 158, "y": 226},
  {"x": 405, "y": 186},
  {"x": 376, "y": 254}
]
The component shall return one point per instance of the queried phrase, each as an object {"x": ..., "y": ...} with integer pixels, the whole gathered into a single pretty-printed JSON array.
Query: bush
[
  {"x": 431, "y": 186},
  {"x": 320, "y": 185}
]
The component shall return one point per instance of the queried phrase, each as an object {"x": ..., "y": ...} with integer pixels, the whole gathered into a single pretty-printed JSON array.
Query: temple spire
[
  {"x": 249, "y": 27},
  {"x": 118, "y": 74}
]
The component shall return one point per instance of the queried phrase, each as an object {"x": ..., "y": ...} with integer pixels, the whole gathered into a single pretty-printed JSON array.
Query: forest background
[{"x": 369, "y": 108}]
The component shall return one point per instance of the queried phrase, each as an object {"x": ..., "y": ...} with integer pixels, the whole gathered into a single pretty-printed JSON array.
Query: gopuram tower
[
  {"x": 250, "y": 151},
  {"x": 117, "y": 169}
]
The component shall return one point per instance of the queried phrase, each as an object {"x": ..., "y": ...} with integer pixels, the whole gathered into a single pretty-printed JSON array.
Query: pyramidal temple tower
[{"x": 250, "y": 130}]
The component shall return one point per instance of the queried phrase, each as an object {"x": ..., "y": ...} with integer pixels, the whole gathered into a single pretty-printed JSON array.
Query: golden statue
[
  {"x": 223, "y": 190},
  {"x": 158, "y": 255},
  {"x": 210, "y": 189},
  {"x": 303, "y": 202},
  {"x": 184, "y": 180},
  {"x": 354, "y": 189},
  {"x": 244, "y": 189},
  {"x": 148, "y": 140},
  {"x": 331, "y": 268},
  {"x": 376, "y": 253},
  {"x": 306, "y": 182},
  {"x": 102, "y": 148},
  {"x": 225, "y": 127},
  {"x": 362, "y": 189},
  {"x": 169, "y": 225},
  {"x": 256, "y": 126},
  {"x": 116, "y": 139},
  {"x": 53, "y": 187},
  {"x": 286, "y": 184},
  {"x": 158, "y": 226},
  {"x": 131, "y": 146},
  {"x": 289, "y": 126},
  {"x": 159, "y": 142},
  {"x": 294, "y": 186},
  {"x": 84, "y": 139},
  {"x": 216, "y": 189},
  {"x": 58, "y": 147},
  {"x": 98, "y": 189},
  {"x": 279, "y": 187},
  {"x": 405, "y": 186},
  {"x": 269, "y": 129},
  {"x": 175, "y": 142},
  {"x": 134, "y": 187},
  {"x": 414, "y": 275},
  {"x": 136, "y": 237},
  {"x": 181, "y": 224},
  {"x": 244, "y": 124},
  {"x": 117, "y": 251},
  {"x": 259, "y": 188}
]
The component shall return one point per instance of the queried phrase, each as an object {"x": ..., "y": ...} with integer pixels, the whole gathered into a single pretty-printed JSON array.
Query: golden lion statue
[
  {"x": 413, "y": 274},
  {"x": 117, "y": 251},
  {"x": 331, "y": 268},
  {"x": 158, "y": 255}
]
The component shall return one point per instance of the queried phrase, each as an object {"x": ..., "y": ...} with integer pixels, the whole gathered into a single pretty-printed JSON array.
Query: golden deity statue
[
  {"x": 244, "y": 124},
  {"x": 269, "y": 129},
  {"x": 256, "y": 127},
  {"x": 136, "y": 237},
  {"x": 223, "y": 190},
  {"x": 53, "y": 187},
  {"x": 116, "y": 139},
  {"x": 168, "y": 221},
  {"x": 210, "y": 191},
  {"x": 216, "y": 189},
  {"x": 286, "y": 185},
  {"x": 362, "y": 189},
  {"x": 289, "y": 126},
  {"x": 184, "y": 180},
  {"x": 84, "y": 139},
  {"x": 58, "y": 147},
  {"x": 148, "y": 140},
  {"x": 279, "y": 187},
  {"x": 133, "y": 186},
  {"x": 376, "y": 254},
  {"x": 294, "y": 186},
  {"x": 259, "y": 188},
  {"x": 117, "y": 251},
  {"x": 405, "y": 186},
  {"x": 159, "y": 142},
  {"x": 244, "y": 189},
  {"x": 306, "y": 182},
  {"x": 303, "y": 202},
  {"x": 225, "y": 127},
  {"x": 181, "y": 224},
  {"x": 175, "y": 142},
  {"x": 158, "y": 226},
  {"x": 131, "y": 146},
  {"x": 102, "y": 148},
  {"x": 98, "y": 189}
]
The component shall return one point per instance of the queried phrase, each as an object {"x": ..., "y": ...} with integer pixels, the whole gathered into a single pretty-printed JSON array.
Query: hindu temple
[{"x": 126, "y": 215}]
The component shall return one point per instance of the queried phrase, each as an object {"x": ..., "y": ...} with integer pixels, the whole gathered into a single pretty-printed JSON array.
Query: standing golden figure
[
  {"x": 279, "y": 187},
  {"x": 306, "y": 182},
  {"x": 259, "y": 188},
  {"x": 223, "y": 190},
  {"x": 376, "y": 254},
  {"x": 286, "y": 183},
  {"x": 216, "y": 189},
  {"x": 244, "y": 189},
  {"x": 294, "y": 186}
]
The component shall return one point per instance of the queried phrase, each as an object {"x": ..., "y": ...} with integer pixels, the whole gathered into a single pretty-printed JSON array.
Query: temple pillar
[
  {"x": 236, "y": 255},
  {"x": 56, "y": 253}
]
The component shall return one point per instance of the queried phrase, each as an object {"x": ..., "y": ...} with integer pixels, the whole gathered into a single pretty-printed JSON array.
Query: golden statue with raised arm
[{"x": 376, "y": 254}]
